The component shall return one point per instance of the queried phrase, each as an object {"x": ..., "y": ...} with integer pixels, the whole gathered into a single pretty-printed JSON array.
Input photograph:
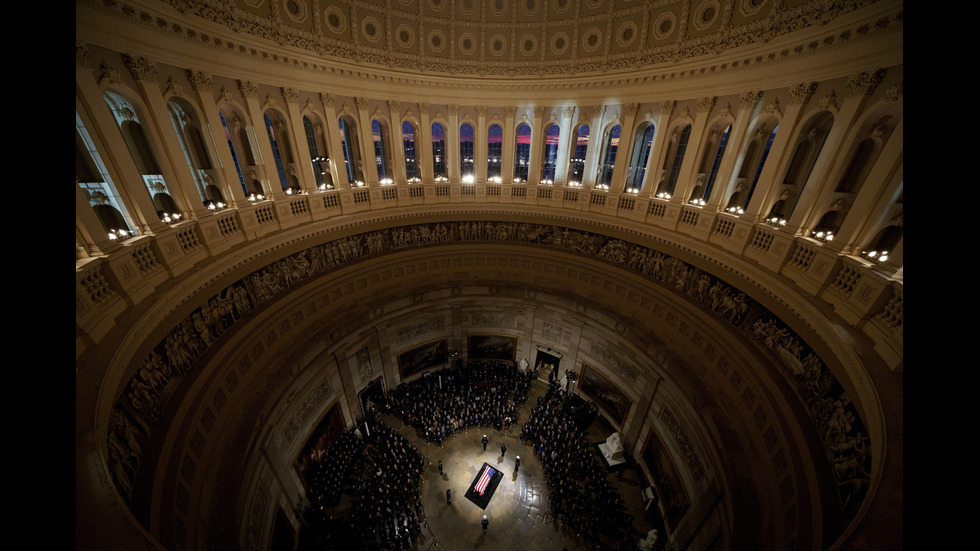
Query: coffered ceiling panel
[{"x": 516, "y": 37}]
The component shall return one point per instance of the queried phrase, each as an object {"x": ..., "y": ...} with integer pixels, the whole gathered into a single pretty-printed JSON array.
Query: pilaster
[
  {"x": 397, "y": 143},
  {"x": 260, "y": 140},
  {"x": 566, "y": 144},
  {"x": 176, "y": 171}
]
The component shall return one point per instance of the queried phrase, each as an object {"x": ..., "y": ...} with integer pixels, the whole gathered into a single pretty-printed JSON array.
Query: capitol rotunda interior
[{"x": 288, "y": 209}]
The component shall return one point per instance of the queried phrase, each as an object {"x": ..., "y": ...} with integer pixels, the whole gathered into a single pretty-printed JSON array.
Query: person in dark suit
[
  {"x": 449, "y": 497},
  {"x": 485, "y": 523},
  {"x": 503, "y": 449},
  {"x": 517, "y": 463},
  {"x": 440, "y": 466},
  {"x": 485, "y": 441}
]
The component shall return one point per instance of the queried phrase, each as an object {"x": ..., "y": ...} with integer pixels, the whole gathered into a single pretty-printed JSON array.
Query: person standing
[
  {"x": 503, "y": 449},
  {"x": 517, "y": 463},
  {"x": 440, "y": 467},
  {"x": 449, "y": 497},
  {"x": 485, "y": 441},
  {"x": 485, "y": 523}
]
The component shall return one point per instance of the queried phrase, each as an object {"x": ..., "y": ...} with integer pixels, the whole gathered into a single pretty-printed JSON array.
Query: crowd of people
[
  {"x": 327, "y": 469},
  {"x": 477, "y": 393},
  {"x": 579, "y": 493},
  {"x": 381, "y": 471}
]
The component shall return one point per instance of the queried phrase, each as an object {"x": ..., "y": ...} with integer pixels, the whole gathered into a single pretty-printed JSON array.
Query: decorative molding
[{"x": 141, "y": 68}]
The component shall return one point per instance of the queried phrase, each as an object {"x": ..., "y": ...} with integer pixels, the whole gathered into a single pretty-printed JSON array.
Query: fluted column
[
  {"x": 452, "y": 145},
  {"x": 335, "y": 148},
  {"x": 592, "y": 153},
  {"x": 115, "y": 155},
  {"x": 255, "y": 126},
  {"x": 226, "y": 177},
  {"x": 817, "y": 194},
  {"x": 397, "y": 153},
  {"x": 661, "y": 147},
  {"x": 302, "y": 162},
  {"x": 535, "y": 160},
  {"x": 867, "y": 208},
  {"x": 423, "y": 145},
  {"x": 480, "y": 145},
  {"x": 650, "y": 174},
  {"x": 176, "y": 172},
  {"x": 507, "y": 152},
  {"x": 566, "y": 144},
  {"x": 780, "y": 155},
  {"x": 732, "y": 161},
  {"x": 369, "y": 164},
  {"x": 688, "y": 173},
  {"x": 627, "y": 121}
]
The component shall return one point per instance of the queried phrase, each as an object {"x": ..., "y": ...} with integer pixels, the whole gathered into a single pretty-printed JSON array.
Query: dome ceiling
[{"x": 516, "y": 37}]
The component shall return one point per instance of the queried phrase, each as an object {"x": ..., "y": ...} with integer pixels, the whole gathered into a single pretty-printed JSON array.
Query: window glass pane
[
  {"x": 280, "y": 169},
  {"x": 438, "y": 151},
  {"x": 522, "y": 157},
  {"x": 578, "y": 158},
  {"x": 408, "y": 143},
  {"x": 466, "y": 151},
  {"x": 495, "y": 142},
  {"x": 550, "y": 154}
]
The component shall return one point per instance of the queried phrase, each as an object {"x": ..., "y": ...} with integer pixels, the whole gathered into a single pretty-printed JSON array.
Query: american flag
[{"x": 481, "y": 485}]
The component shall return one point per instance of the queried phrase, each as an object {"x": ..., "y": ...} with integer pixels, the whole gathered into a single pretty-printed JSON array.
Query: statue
[{"x": 646, "y": 544}]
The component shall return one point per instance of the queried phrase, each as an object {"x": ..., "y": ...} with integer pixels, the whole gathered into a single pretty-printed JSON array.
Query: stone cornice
[{"x": 804, "y": 31}]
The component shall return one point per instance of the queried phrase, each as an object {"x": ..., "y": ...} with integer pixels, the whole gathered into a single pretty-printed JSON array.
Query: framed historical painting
[
  {"x": 667, "y": 482},
  {"x": 605, "y": 394},
  {"x": 422, "y": 357},
  {"x": 491, "y": 347}
]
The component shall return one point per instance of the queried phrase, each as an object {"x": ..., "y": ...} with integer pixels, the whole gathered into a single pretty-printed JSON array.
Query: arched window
[
  {"x": 280, "y": 147},
  {"x": 639, "y": 157},
  {"x": 192, "y": 144},
  {"x": 883, "y": 244},
  {"x": 548, "y": 167},
  {"x": 495, "y": 149},
  {"x": 92, "y": 176},
  {"x": 408, "y": 145},
  {"x": 236, "y": 157},
  {"x": 380, "y": 138},
  {"x": 466, "y": 152},
  {"x": 812, "y": 139},
  {"x": 610, "y": 146},
  {"x": 714, "y": 151},
  {"x": 522, "y": 150},
  {"x": 739, "y": 200},
  {"x": 857, "y": 168},
  {"x": 829, "y": 223},
  {"x": 577, "y": 164},
  {"x": 316, "y": 144},
  {"x": 679, "y": 146},
  {"x": 439, "y": 152},
  {"x": 142, "y": 153},
  {"x": 352, "y": 158}
]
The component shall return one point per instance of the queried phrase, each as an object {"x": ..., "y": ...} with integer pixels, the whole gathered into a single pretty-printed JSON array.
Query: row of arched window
[{"x": 637, "y": 174}]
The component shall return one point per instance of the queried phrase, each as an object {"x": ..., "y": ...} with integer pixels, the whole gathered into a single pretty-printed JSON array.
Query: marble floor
[{"x": 518, "y": 512}]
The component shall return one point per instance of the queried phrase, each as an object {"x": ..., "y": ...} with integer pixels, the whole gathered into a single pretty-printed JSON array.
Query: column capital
[
  {"x": 248, "y": 89},
  {"x": 200, "y": 81},
  {"x": 748, "y": 100},
  {"x": 864, "y": 83},
  {"x": 141, "y": 68},
  {"x": 706, "y": 104},
  {"x": 800, "y": 94},
  {"x": 289, "y": 94}
]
